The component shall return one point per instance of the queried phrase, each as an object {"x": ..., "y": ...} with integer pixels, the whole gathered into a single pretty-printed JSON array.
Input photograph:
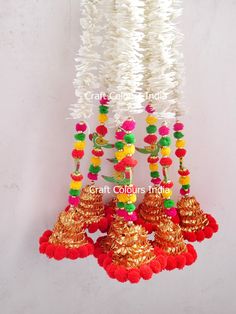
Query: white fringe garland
[
  {"x": 163, "y": 61},
  {"x": 88, "y": 59}
]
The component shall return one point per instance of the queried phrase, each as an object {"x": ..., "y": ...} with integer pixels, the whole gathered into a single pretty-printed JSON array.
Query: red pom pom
[
  {"x": 167, "y": 185},
  {"x": 73, "y": 254},
  {"x": 110, "y": 269},
  {"x": 43, "y": 239},
  {"x": 129, "y": 162},
  {"x": 120, "y": 167},
  {"x": 190, "y": 236},
  {"x": 166, "y": 161},
  {"x": 77, "y": 154},
  {"x": 215, "y": 227},
  {"x": 171, "y": 263},
  {"x": 121, "y": 274},
  {"x": 83, "y": 251},
  {"x": 98, "y": 152},
  {"x": 47, "y": 233},
  {"x": 101, "y": 130},
  {"x": 180, "y": 261},
  {"x": 189, "y": 259},
  {"x": 192, "y": 251},
  {"x": 155, "y": 266},
  {"x": 148, "y": 227},
  {"x": 97, "y": 251},
  {"x": 90, "y": 247},
  {"x": 152, "y": 160},
  {"x": 93, "y": 227},
  {"x": 134, "y": 276},
  {"x": 107, "y": 261},
  {"x": 76, "y": 177},
  {"x": 180, "y": 152},
  {"x": 101, "y": 259},
  {"x": 146, "y": 272},
  {"x": 60, "y": 252},
  {"x": 200, "y": 235},
  {"x": 42, "y": 247},
  {"x": 208, "y": 231},
  {"x": 104, "y": 100},
  {"x": 150, "y": 139},
  {"x": 50, "y": 250},
  {"x": 162, "y": 260},
  {"x": 175, "y": 219},
  {"x": 184, "y": 172},
  {"x": 103, "y": 224}
]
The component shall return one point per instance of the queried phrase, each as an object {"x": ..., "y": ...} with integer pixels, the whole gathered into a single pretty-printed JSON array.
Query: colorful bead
[
  {"x": 164, "y": 130},
  {"x": 73, "y": 201},
  {"x": 76, "y": 185},
  {"x": 103, "y": 109},
  {"x": 129, "y": 149},
  {"x": 171, "y": 212},
  {"x": 129, "y": 207},
  {"x": 167, "y": 193},
  {"x": 156, "y": 181},
  {"x": 184, "y": 180},
  {"x": 166, "y": 161},
  {"x": 180, "y": 152},
  {"x": 180, "y": 143},
  {"x": 80, "y": 136},
  {"x": 120, "y": 135},
  {"x": 77, "y": 154},
  {"x": 153, "y": 167},
  {"x": 74, "y": 192},
  {"x": 76, "y": 176},
  {"x": 81, "y": 127},
  {"x": 165, "y": 141},
  {"x": 155, "y": 174},
  {"x": 129, "y": 138},
  {"x": 104, "y": 100},
  {"x": 178, "y": 135},
  {"x": 97, "y": 152},
  {"x": 151, "y": 129},
  {"x": 119, "y": 145},
  {"x": 94, "y": 169},
  {"x": 165, "y": 151},
  {"x": 101, "y": 130},
  {"x": 151, "y": 120},
  {"x": 92, "y": 176},
  {"x": 150, "y": 139},
  {"x": 178, "y": 126},
  {"x": 96, "y": 161},
  {"x": 102, "y": 118},
  {"x": 169, "y": 203},
  {"x": 129, "y": 125},
  {"x": 120, "y": 155},
  {"x": 149, "y": 108},
  {"x": 79, "y": 145},
  {"x": 183, "y": 172},
  {"x": 152, "y": 159}
]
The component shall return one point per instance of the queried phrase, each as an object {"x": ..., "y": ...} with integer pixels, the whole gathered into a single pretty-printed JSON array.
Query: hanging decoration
[{"x": 131, "y": 55}]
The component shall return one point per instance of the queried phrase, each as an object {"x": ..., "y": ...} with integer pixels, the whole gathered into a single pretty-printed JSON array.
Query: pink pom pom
[
  {"x": 164, "y": 130},
  {"x": 129, "y": 125},
  {"x": 81, "y": 127},
  {"x": 104, "y": 100},
  {"x": 92, "y": 176},
  {"x": 156, "y": 181},
  {"x": 126, "y": 216},
  {"x": 172, "y": 212},
  {"x": 178, "y": 126},
  {"x": 120, "y": 135},
  {"x": 74, "y": 201},
  {"x": 149, "y": 108}
]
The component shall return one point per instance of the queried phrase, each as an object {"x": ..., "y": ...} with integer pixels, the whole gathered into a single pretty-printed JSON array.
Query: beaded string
[
  {"x": 99, "y": 141},
  {"x": 126, "y": 196},
  {"x": 152, "y": 140},
  {"x": 180, "y": 152},
  {"x": 77, "y": 154},
  {"x": 166, "y": 162}
]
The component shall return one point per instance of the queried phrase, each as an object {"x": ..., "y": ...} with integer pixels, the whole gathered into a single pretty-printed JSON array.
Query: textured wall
[{"x": 38, "y": 41}]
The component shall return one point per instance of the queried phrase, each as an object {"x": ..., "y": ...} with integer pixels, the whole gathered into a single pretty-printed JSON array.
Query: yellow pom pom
[
  {"x": 184, "y": 180},
  {"x": 153, "y": 167},
  {"x": 96, "y": 161},
  {"x": 151, "y": 120},
  {"x": 132, "y": 198},
  {"x": 120, "y": 155},
  {"x": 167, "y": 193},
  {"x": 129, "y": 149},
  {"x": 80, "y": 145},
  {"x": 122, "y": 198},
  {"x": 180, "y": 143},
  {"x": 102, "y": 117},
  {"x": 165, "y": 151},
  {"x": 76, "y": 185}
]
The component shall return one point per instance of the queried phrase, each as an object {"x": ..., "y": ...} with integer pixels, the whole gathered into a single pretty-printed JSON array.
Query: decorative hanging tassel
[
  {"x": 195, "y": 224},
  {"x": 68, "y": 238},
  {"x": 91, "y": 208},
  {"x": 151, "y": 208},
  {"x": 126, "y": 253}
]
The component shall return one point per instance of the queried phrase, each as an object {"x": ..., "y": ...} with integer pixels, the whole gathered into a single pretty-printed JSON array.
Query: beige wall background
[{"x": 38, "y": 42}]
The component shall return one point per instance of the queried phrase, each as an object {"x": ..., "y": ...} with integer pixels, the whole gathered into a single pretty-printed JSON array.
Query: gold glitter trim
[{"x": 152, "y": 207}]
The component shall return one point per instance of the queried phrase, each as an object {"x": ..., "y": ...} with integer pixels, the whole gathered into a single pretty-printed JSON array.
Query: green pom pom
[
  {"x": 151, "y": 129},
  {"x": 130, "y": 208},
  {"x": 80, "y": 136},
  {"x": 169, "y": 203},
  {"x": 74, "y": 192},
  {"x": 103, "y": 109},
  {"x": 94, "y": 169},
  {"x": 178, "y": 135},
  {"x": 155, "y": 174},
  {"x": 119, "y": 145},
  {"x": 186, "y": 186},
  {"x": 129, "y": 138},
  {"x": 165, "y": 141},
  {"x": 120, "y": 205}
]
